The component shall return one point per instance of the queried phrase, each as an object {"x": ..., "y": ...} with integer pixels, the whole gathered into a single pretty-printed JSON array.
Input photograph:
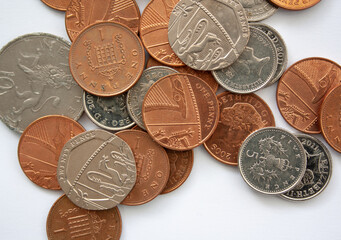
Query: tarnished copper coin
[
  {"x": 40, "y": 146},
  {"x": 204, "y": 75},
  {"x": 301, "y": 90},
  {"x": 240, "y": 115},
  {"x": 181, "y": 163},
  {"x": 154, "y": 31},
  {"x": 60, "y": 5},
  {"x": 152, "y": 167},
  {"x": 106, "y": 59},
  {"x": 295, "y": 5},
  {"x": 180, "y": 111},
  {"x": 68, "y": 221},
  {"x": 82, "y": 13}
]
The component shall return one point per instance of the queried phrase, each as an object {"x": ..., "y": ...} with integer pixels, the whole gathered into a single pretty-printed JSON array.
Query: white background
[{"x": 215, "y": 203}]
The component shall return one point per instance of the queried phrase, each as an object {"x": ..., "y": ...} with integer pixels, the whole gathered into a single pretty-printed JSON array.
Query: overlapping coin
[
  {"x": 258, "y": 10},
  {"x": 295, "y": 5}
]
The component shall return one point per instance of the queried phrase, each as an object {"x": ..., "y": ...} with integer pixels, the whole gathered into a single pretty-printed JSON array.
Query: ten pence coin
[
  {"x": 240, "y": 115},
  {"x": 301, "y": 90},
  {"x": 40, "y": 146},
  {"x": 96, "y": 170},
  {"x": 295, "y": 5},
  {"x": 180, "y": 111},
  {"x": 60, "y": 5},
  {"x": 68, "y": 221},
  {"x": 107, "y": 59},
  {"x": 258, "y": 10}
]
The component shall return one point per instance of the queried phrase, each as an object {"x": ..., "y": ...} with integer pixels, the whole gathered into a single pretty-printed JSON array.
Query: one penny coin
[
  {"x": 295, "y": 5},
  {"x": 40, "y": 146},
  {"x": 240, "y": 115},
  {"x": 301, "y": 90},
  {"x": 180, "y": 111},
  {"x": 106, "y": 59},
  {"x": 60, "y": 5},
  {"x": 152, "y": 167},
  {"x": 68, "y": 221}
]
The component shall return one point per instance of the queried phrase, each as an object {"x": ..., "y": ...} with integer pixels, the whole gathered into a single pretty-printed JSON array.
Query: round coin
[
  {"x": 258, "y": 10},
  {"x": 152, "y": 167},
  {"x": 106, "y": 59},
  {"x": 318, "y": 172},
  {"x": 35, "y": 81},
  {"x": 272, "y": 160},
  {"x": 240, "y": 115},
  {"x": 301, "y": 90},
  {"x": 60, "y": 5},
  {"x": 295, "y": 5},
  {"x": 40, "y": 146},
  {"x": 68, "y": 221},
  {"x": 96, "y": 170}
]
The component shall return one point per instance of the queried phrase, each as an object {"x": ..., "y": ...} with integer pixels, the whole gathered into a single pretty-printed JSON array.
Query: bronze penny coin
[
  {"x": 301, "y": 90},
  {"x": 106, "y": 59},
  {"x": 206, "y": 76},
  {"x": 152, "y": 167},
  {"x": 60, "y": 5},
  {"x": 154, "y": 31},
  {"x": 180, "y": 111},
  {"x": 240, "y": 115},
  {"x": 181, "y": 163},
  {"x": 40, "y": 146},
  {"x": 295, "y": 5},
  {"x": 68, "y": 221},
  {"x": 82, "y": 13}
]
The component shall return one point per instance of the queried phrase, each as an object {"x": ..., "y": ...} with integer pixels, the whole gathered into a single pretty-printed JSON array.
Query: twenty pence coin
[
  {"x": 60, "y": 5},
  {"x": 295, "y": 5}
]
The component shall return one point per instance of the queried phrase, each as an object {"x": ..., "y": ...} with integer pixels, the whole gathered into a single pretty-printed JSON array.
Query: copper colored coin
[
  {"x": 152, "y": 167},
  {"x": 154, "y": 31},
  {"x": 60, "y": 5},
  {"x": 295, "y": 5},
  {"x": 40, "y": 146},
  {"x": 82, "y": 13},
  {"x": 180, "y": 111},
  {"x": 68, "y": 221},
  {"x": 181, "y": 163},
  {"x": 301, "y": 90},
  {"x": 106, "y": 59},
  {"x": 240, "y": 115},
  {"x": 204, "y": 75}
]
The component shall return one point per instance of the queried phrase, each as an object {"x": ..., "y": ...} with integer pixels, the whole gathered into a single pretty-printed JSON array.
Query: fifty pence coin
[
  {"x": 35, "y": 81},
  {"x": 96, "y": 170},
  {"x": 60, "y": 5},
  {"x": 272, "y": 160},
  {"x": 258, "y": 10}
]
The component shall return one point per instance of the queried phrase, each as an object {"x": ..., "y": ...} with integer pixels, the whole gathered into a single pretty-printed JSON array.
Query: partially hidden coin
[
  {"x": 60, "y": 5},
  {"x": 255, "y": 67},
  {"x": 152, "y": 167},
  {"x": 272, "y": 160},
  {"x": 240, "y": 115},
  {"x": 82, "y": 13},
  {"x": 318, "y": 172},
  {"x": 106, "y": 59},
  {"x": 96, "y": 170},
  {"x": 137, "y": 93},
  {"x": 301, "y": 90},
  {"x": 110, "y": 113},
  {"x": 208, "y": 34},
  {"x": 40, "y": 146},
  {"x": 68, "y": 221},
  {"x": 35, "y": 81},
  {"x": 295, "y": 5},
  {"x": 258, "y": 10},
  {"x": 180, "y": 111}
]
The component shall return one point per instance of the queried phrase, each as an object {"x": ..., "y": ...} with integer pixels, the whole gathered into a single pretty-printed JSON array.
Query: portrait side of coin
[
  {"x": 35, "y": 81},
  {"x": 180, "y": 111},
  {"x": 258, "y": 10},
  {"x": 295, "y": 5},
  {"x": 96, "y": 170},
  {"x": 110, "y": 113},
  {"x": 208, "y": 34},
  {"x": 40, "y": 146},
  {"x": 318, "y": 172},
  {"x": 68, "y": 221},
  {"x": 60, "y": 5},
  {"x": 240, "y": 115},
  {"x": 255, "y": 67},
  {"x": 272, "y": 160},
  {"x": 301, "y": 90}
]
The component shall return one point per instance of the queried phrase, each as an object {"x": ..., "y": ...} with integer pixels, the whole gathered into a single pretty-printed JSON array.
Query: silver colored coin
[
  {"x": 272, "y": 160},
  {"x": 110, "y": 113},
  {"x": 258, "y": 10},
  {"x": 282, "y": 53},
  {"x": 253, "y": 69},
  {"x": 96, "y": 170},
  {"x": 208, "y": 34},
  {"x": 138, "y": 91},
  {"x": 35, "y": 81},
  {"x": 318, "y": 172}
]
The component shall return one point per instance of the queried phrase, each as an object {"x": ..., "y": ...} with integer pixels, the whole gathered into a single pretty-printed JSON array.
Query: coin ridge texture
[
  {"x": 96, "y": 170},
  {"x": 272, "y": 160},
  {"x": 258, "y": 10},
  {"x": 295, "y": 5}
]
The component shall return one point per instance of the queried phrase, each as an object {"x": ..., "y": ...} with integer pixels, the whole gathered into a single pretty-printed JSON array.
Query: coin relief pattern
[{"x": 257, "y": 10}]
